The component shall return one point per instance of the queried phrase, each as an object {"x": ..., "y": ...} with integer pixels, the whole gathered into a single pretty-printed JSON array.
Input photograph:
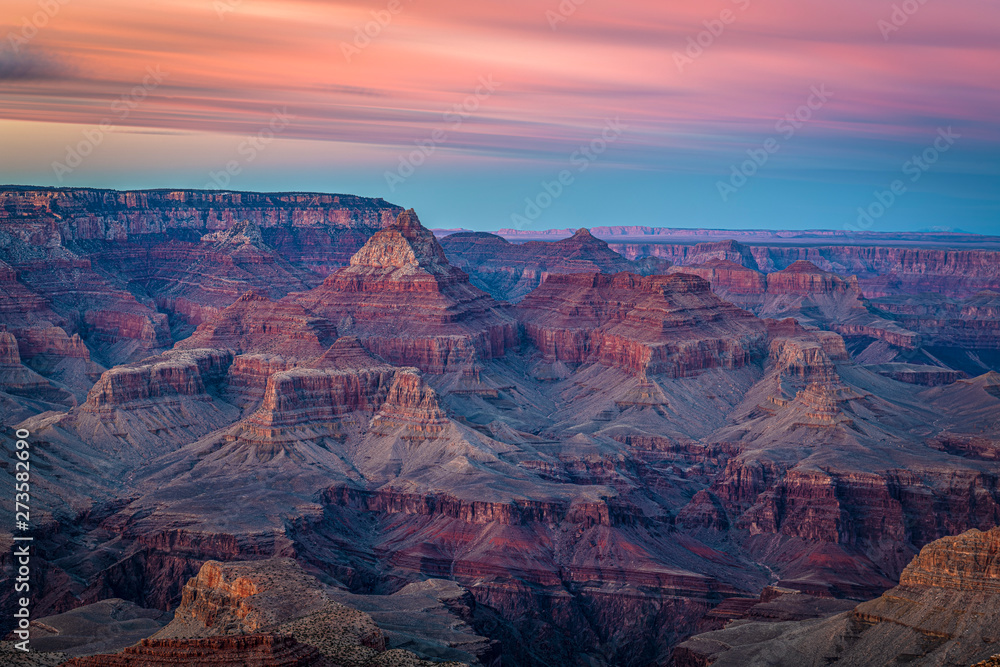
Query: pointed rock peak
[
  {"x": 803, "y": 266},
  {"x": 583, "y": 234},
  {"x": 250, "y": 296},
  {"x": 988, "y": 380},
  {"x": 408, "y": 224},
  {"x": 405, "y": 243}
]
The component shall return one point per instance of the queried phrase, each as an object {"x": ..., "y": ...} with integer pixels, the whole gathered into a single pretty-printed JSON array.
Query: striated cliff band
[{"x": 247, "y": 409}]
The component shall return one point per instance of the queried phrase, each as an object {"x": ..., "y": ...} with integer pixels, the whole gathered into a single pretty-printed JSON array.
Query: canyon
[
  {"x": 943, "y": 612},
  {"x": 316, "y": 433}
]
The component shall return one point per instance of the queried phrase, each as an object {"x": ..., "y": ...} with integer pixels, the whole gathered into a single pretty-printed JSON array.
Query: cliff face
[
  {"x": 881, "y": 271},
  {"x": 943, "y": 322},
  {"x": 192, "y": 281},
  {"x": 509, "y": 271},
  {"x": 637, "y": 473},
  {"x": 171, "y": 374},
  {"x": 661, "y": 324},
  {"x": 408, "y": 305},
  {"x": 944, "y": 612},
  {"x": 102, "y": 263},
  {"x": 256, "y": 324},
  {"x": 90, "y": 214},
  {"x": 732, "y": 281},
  {"x": 828, "y": 463},
  {"x": 17, "y": 379},
  {"x": 811, "y": 295},
  {"x": 966, "y": 562},
  {"x": 140, "y": 410},
  {"x": 276, "y": 599}
]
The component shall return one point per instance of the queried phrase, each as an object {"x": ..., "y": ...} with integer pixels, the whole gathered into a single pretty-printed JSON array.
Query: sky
[{"x": 879, "y": 115}]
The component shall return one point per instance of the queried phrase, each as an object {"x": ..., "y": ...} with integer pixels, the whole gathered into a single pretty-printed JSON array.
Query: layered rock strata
[
  {"x": 409, "y": 306},
  {"x": 943, "y": 612},
  {"x": 509, "y": 271},
  {"x": 660, "y": 324}
]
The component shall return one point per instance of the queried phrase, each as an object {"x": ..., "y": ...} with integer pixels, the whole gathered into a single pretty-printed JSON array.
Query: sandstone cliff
[
  {"x": 944, "y": 612},
  {"x": 408, "y": 305},
  {"x": 881, "y": 268},
  {"x": 661, "y": 324}
]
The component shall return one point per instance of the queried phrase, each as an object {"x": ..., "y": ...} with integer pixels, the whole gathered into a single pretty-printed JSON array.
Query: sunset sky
[{"x": 187, "y": 89}]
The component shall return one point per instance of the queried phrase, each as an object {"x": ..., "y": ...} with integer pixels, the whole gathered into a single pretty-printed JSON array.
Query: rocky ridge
[
  {"x": 510, "y": 271},
  {"x": 406, "y": 304},
  {"x": 661, "y": 324},
  {"x": 943, "y": 612}
]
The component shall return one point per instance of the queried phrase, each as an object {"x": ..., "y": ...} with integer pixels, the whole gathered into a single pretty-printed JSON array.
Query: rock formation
[
  {"x": 813, "y": 296},
  {"x": 885, "y": 266},
  {"x": 661, "y": 324},
  {"x": 589, "y": 477},
  {"x": 943, "y": 612},
  {"x": 409, "y": 306},
  {"x": 276, "y": 596},
  {"x": 509, "y": 271},
  {"x": 256, "y": 324}
]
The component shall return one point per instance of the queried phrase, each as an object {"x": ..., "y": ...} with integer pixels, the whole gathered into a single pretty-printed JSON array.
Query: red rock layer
[
  {"x": 53, "y": 342},
  {"x": 966, "y": 562},
  {"x": 196, "y": 280},
  {"x": 728, "y": 279},
  {"x": 509, "y": 271},
  {"x": 806, "y": 292},
  {"x": 17, "y": 379},
  {"x": 90, "y": 214},
  {"x": 881, "y": 271},
  {"x": 941, "y": 321},
  {"x": 409, "y": 306},
  {"x": 412, "y": 404},
  {"x": 258, "y": 650},
  {"x": 660, "y": 324},
  {"x": 111, "y": 320},
  {"x": 277, "y": 597},
  {"x": 344, "y": 381},
  {"x": 17, "y": 301},
  {"x": 310, "y": 396},
  {"x": 805, "y": 278},
  {"x": 692, "y": 255},
  {"x": 172, "y": 374},
  {"x": 248, "y": 375},
  {"x": 9, "y": 355},
  {"x": 256, "y": 324},
  {"x": 912, "y": 270}
]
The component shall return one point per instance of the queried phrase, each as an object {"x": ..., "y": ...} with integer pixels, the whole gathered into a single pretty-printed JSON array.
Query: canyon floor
[{"x": 307, "y": 430}]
